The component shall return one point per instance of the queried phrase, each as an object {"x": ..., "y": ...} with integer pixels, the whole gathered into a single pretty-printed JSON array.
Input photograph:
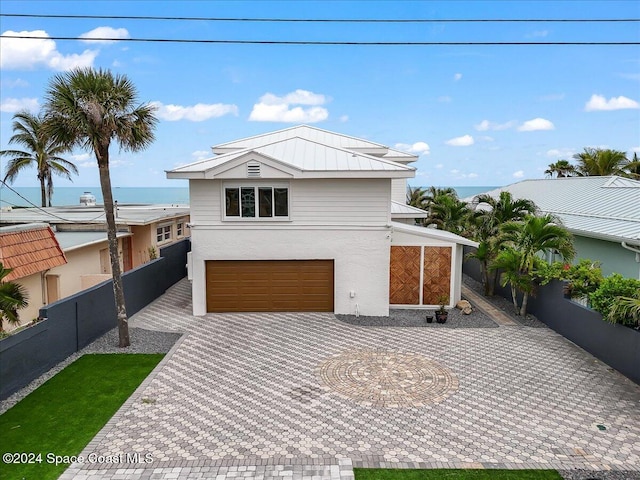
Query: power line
[
  {"x": 329, "y": 20},
  {"x": 5, "y": 184},
  {"x": 306, "y": 42}
]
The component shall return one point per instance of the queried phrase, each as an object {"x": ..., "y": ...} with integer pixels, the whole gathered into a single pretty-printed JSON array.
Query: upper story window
[
  {"x": 163, "y": 233},
  {"x": 179, "y": 229},
  {"x": 256, "y": 202}
]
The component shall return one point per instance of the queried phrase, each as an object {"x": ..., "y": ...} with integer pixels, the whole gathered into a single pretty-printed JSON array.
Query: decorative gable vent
[{"x": 253, "y": 169}]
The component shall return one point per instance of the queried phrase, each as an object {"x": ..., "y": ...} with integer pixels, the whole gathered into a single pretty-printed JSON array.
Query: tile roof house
[
  {"x": 307, "y": 219},
  {"x": 603, "y": 213}
]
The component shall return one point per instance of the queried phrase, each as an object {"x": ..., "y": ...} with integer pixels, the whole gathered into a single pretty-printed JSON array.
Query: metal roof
[
  {"x": 303, "y": 155},
  {"x": 307, "y": 132},
  {"x": 433, "y": 233},
  {"x": 401, "y": 210},
  {"x": 126, "y": 215},
  {"x": 600, "y": 207}
]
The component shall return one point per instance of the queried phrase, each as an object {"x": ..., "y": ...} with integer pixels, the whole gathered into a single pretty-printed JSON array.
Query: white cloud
[
  {"x": 201, "y": 154},
  {"x": 344, "y": 118},
  {"x": 539, "y": 34},
  {"x": 104, "y": 32},
  {"x": 631, "y": 76},
  {"x": 195, "y": 113},
  {"x": 12, "y": 105},
  {"x": 485, "y": 138},
  {"x": 518, "y": 174},
  {"x": 272, "y": 108},
  {"x": 599, "y": 102},
  {"x": 457, "y": 77},
  {"x": 463, "y": 141},
  {"x": 472, "y": 175},
  {"x": 485, "y": 125},
  {"x": 39, "y": 51},
  {"x": 82, "y": 157},
  {"x": 419, "y": 148},
  {"x": 560, "y": 152},
  {"x": 536, "y": 124},
  {"x": 439, "y": 166},
  {"x": 455, "y": 171}
]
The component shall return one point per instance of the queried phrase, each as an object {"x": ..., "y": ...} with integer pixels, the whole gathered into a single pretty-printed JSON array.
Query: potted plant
[{"x": 441, "y": 313}]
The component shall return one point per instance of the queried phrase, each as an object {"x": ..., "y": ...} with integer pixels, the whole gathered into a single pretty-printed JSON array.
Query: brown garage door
[{"x": 270, "y": 286}]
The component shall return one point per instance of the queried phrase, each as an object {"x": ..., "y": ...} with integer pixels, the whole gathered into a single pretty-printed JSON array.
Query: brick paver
[{"x": 243, "y": 395}]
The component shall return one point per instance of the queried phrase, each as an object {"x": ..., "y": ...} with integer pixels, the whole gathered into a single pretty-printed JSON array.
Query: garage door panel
[{"x": 265, "y": 285}]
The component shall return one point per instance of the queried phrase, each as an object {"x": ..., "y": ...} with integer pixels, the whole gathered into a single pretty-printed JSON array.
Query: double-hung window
[{"x": 256, "y": 202}]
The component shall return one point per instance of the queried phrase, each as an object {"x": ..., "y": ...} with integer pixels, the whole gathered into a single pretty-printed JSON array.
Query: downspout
[
  {"x": 43, "y": 286},
  {"x": 635, "y": 250}
]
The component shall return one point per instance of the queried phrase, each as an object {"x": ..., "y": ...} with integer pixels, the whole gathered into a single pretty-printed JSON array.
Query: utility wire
[
  {"x": 5, "y": 184},
  {"x": 305, "y": 42},
  {"x": 329, "y": 20}
]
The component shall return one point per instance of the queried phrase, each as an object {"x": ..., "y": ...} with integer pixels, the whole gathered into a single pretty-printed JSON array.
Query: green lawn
[
  {"x": 447, "y": 474},
  {"x": 65, "y": 413}
]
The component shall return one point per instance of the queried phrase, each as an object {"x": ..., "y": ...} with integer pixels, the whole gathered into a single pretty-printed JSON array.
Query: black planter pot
[
  {"x": 429, "y": 318},
  {"x": 442, "y": 317}
]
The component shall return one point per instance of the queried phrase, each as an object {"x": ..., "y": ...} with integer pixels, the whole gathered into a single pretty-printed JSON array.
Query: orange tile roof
[{"x": 29, "y": 251}]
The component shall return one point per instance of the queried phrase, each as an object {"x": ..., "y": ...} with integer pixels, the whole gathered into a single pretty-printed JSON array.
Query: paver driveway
[{"x": 247, "y": 391}]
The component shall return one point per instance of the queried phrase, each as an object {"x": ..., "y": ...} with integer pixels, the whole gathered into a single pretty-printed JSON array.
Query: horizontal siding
[
  {"x": 399, "y": 190},
  {"x": 204, "y": 197},
  {"x": 341, "y": 201},
  {"x": 312, "y": 202}
]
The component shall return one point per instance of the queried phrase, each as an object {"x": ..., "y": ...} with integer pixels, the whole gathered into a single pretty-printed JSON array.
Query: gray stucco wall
[{"x": 614, "y": 258}]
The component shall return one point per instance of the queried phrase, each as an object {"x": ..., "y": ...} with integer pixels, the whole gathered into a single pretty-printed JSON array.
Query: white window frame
[
  {"x": 161, "y": 233},
  {"x": 255, "y": 186}
]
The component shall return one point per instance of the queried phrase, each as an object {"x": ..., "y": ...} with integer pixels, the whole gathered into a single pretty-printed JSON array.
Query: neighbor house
[
  {"x": 79, "y": 232},
  {"x": 603, "y": 214},
  {"x": 303, "y": 219}
]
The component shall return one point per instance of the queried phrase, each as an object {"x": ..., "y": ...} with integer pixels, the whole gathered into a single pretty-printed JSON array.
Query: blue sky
[{"x": 476, "y": 115}]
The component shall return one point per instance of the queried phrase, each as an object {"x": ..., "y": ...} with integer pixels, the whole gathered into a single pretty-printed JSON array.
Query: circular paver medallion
[{"x": 387, "y": 378}]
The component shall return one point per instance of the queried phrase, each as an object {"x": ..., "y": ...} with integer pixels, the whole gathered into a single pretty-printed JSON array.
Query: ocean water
[{"x": 30, "y": 196}]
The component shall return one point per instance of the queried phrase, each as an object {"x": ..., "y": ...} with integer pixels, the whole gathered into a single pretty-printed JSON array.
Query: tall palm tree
[
  {"x": 486, "y": 222},
  {"x": 13, "y": 297},
  {"x": 88, "y": 109},
  {"x": 533, "y": 236},
  {"x": 561, "y": 168},
  {"x": 40, "y": 151},
  {"x": 601, "y": 162}
]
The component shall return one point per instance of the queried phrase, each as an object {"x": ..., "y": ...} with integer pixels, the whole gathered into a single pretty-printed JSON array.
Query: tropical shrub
[
  {"x": 604, "y": 299},
  {"x": 625, "y": 310}
]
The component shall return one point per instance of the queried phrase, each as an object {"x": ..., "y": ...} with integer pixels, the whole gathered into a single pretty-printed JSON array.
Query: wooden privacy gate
[{"x": 419, "y": 275}]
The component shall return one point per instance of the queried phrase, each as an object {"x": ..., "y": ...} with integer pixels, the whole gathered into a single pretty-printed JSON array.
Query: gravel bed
[
  {"x": 142, "y": 341},
  {"x": 416, "y": 318},
  {"x": 503, "y": 304},
  {"x": 603, "y": 475}
]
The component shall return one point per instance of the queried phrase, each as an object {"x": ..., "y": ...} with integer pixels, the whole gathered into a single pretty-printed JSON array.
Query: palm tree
[
  {"x": 13, "y": 297},
  {"x": 40, "y": 151},
  {"x": 601, "y": 162},
  {"x": 562, "y": 168},
  {"x": 417, "y": 197},
  {"x": 88, "y": 109},
  {"x": 486, "y": 222},
  {"x": 633, "y": 167},
  {"x": 532, "y": 236},
  {"x": 448, "y": 213},
  {"x": 509, "y": 262}
]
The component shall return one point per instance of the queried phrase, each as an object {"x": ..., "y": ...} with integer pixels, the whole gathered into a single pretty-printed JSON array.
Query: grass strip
[
  {"x": 453, "y": 474},
  {"x": 64, "y": 414}
]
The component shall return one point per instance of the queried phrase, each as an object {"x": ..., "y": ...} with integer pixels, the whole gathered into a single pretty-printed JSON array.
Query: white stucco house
[{"x": 303, "y": 219}]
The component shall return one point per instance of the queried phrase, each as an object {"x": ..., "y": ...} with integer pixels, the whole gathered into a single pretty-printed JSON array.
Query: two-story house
[{"x": 302, "y": 219}]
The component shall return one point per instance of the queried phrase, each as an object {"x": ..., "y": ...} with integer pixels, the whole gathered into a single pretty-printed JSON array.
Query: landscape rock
[{"x": 465, "y": 306}]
